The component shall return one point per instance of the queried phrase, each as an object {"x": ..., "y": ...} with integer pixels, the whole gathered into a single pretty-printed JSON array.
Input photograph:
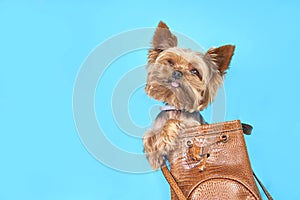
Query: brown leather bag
[{"x": 211, "y": 162}]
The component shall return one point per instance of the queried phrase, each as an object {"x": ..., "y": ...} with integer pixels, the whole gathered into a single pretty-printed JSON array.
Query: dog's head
[{"x": 181, "y": 77}]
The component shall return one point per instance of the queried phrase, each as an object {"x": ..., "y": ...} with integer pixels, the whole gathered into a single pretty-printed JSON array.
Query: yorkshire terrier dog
[{"x": 187, "y": 82}]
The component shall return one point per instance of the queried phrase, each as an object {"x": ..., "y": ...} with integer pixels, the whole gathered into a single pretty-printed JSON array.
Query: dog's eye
[
  {"x": 171, "y": 63},
  {"x": 194, "y": 72}
]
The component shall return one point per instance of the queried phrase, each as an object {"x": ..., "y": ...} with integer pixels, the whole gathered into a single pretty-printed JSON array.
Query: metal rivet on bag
[
  {"x": 189, "y": 143},
  {"x": 224, "y": 137}
]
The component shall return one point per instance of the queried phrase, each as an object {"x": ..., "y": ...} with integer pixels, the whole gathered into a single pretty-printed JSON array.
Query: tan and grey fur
[{"x": 184, "y": 79}]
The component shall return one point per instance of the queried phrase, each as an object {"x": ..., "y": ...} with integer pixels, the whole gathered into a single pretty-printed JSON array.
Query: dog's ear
[
  {"x": 162, "y": 39},
  {"x": 221, "y": 56}
]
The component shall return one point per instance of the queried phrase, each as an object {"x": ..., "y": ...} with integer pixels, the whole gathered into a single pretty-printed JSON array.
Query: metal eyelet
[
  {"x": 189, "y": 143},
  {"x": 224, "y": 138}
]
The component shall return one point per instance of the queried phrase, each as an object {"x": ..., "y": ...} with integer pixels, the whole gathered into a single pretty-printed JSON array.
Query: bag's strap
[
  {"x": 172, "y": 182},
  {"x": 262, "y": 187}
]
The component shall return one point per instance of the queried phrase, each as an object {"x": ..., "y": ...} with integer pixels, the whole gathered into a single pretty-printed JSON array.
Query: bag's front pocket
[{"x": 221, "y": 189}]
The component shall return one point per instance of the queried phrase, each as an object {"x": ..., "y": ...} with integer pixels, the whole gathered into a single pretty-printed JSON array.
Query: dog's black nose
[{"x": 177, "y": 74}]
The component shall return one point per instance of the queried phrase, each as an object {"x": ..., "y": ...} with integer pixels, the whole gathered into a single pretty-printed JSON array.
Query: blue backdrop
[{"x": 43, "y": 49}]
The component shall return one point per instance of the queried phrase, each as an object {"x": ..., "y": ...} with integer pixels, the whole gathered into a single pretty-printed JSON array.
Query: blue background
[{"x": 43, "y": 44}]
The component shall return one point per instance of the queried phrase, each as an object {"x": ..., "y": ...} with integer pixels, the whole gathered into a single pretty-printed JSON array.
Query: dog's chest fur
[{"x": 185, "y": 118}]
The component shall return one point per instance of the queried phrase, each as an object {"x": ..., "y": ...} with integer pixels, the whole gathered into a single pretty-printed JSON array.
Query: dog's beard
[{"x": 188, "y": 93}]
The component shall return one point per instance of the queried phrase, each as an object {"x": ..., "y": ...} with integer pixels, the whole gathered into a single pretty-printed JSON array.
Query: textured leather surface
[{"x": 211, "y": 162}]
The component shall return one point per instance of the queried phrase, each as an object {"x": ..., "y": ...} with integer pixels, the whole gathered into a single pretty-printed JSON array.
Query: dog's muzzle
[{"x": 177, "y": 75}]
